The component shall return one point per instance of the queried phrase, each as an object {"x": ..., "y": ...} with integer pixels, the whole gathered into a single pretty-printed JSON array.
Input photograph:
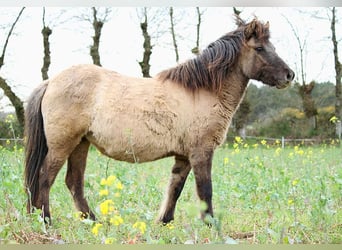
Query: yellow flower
[
  {"x": 290, "y": 201},
  {"x": 263, "y": 142},
  {"x": 96, "y": 228},
  {"x": 170, "y": 226},
  {"x": 110, "y": 180},
  {"x": 106, "y": 207},
  {"x": 238, "y": 139},
  {"x": 116, "y": 220},
  {"x": 141, "y": 226},
  {"x": 277, "y": 151},
  {"x": 225, "y": 160},
  {"x": 119, "y": 185},
  {"x": 104, "y": 192},
  {"x": 295, "y": 182},
  {"x": 109, "y": 240},
  {"x": 103, "y": 182}
]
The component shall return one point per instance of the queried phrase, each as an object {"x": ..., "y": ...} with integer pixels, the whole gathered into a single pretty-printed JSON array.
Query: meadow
[{"x": 262, "y": 193}]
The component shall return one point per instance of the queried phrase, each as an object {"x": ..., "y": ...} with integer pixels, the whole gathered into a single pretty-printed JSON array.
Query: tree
[
  {"x": 200, "y": 13},
  {"x": 14, "y": 99},
  {"x": 98, "y": 17},
  {"x": 46, "y": 32},
  {"x": 338, "y": 75},
  {"x": 173, "y": 34},
  {"x": 145, "y": 63},
  {"x": 305, "y": 89}
]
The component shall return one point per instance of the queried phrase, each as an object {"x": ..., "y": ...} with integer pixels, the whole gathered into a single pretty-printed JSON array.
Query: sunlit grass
[{"x": 262, "y": 194}]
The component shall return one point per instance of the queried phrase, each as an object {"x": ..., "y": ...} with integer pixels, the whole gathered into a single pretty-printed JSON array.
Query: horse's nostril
[{"x": 290, "y": 75}]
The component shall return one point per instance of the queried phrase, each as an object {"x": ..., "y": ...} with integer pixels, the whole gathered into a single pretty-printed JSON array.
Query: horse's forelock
[{"x": 256, "y": 29}]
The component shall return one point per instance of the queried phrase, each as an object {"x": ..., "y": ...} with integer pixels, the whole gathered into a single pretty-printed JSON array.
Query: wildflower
[
  {"x": 141, "y": 226},
  {"x": 263, "y": 142},
  {"x": 333, "y": 119},
  {"x": 109, "y": 240},
  {"x": 106, "y": 207},
  {"x": 238, "y": 139},
  {"x": 255, "y": 145},
  {"x": 170, "y": 226},
  {"x": 109, "y": 181},
  {"x": 225, "y": 160},
  {"x": 277, "y": 151},
  {"x": 116, "y": 220},
  {"x": 104, "y": 192},
  {"x": 96, "y": 228},
  {"x": 290, "y": 202},
  {"x": 277, "y": 142},
  {"x": 295, "y": 182},
  {"x": 119, "y": 185}
]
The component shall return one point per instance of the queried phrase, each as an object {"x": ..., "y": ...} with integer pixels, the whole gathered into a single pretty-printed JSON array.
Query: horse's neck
[{"x": 232, "y": 93}]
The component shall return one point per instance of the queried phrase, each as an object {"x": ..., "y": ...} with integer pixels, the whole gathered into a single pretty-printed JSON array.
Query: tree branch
[{"x": 2, "y": 57}]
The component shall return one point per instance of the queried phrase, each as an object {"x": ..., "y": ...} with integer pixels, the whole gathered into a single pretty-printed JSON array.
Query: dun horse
[{"x": 183, "y": 112}]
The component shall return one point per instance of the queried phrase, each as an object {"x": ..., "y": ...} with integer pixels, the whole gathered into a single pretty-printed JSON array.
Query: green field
[{"x": 262, "y": 194}]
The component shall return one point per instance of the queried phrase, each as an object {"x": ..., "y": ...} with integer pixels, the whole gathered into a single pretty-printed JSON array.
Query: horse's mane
[{"x": 210, "y": 68}]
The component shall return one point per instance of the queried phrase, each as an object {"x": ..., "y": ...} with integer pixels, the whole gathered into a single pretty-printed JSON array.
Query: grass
[{"x": 262, "y": 194}]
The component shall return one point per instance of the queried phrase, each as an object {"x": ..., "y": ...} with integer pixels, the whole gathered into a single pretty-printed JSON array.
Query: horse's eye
[{"x": 259, "y": 49}]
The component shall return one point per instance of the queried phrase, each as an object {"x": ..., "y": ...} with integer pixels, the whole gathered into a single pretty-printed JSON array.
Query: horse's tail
[{"x": 36, "y": 148}]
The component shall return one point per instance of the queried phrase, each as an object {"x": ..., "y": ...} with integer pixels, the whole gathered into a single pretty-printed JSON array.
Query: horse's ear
[
  {"x": 267, "y": 25},
  {"x": 250, "y": 29}
]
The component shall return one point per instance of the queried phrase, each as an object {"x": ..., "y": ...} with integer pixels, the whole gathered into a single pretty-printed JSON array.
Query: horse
[{"x": 183, "y": 112}]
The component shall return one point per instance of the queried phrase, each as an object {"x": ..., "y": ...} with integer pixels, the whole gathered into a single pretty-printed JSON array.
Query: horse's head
[{"x": 258, "y": 58}]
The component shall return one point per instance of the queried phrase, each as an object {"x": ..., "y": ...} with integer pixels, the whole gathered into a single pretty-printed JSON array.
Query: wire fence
[{"x": 284, "y": 141}]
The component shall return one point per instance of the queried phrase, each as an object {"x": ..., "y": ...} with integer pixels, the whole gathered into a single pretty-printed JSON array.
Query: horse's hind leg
[
  {"x": 75, "y": 177},
  {"x": 50, "y": 168},
  {"x": 180, "y": 172}
]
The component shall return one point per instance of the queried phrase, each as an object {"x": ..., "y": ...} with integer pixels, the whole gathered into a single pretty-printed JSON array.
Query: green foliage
[
  {"x": 9, "y": 129},
  {"x": 276, "y": 113},
  {"x": 262, "y": 194}
]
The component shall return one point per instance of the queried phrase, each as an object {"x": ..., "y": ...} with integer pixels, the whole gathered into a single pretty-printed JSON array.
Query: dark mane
[{"x": 210, "y": 68}]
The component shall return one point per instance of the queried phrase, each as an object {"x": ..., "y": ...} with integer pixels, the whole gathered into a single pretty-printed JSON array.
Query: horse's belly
[{"x": 133, "y": 147}]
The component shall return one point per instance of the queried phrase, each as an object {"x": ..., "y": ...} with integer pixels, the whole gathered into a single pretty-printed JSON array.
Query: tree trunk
[
  {"x": 145, "y": 63},
  {"x": 309, "y": 106},
  {"x": 46, "y": 32},
  {"x": 174, "y": 34},
  {"x": 94, "y": 49},
  {"x": 15, "y": 100},
  {"x": 196, "y": 50},
  {"x": 338, "y": 76}
]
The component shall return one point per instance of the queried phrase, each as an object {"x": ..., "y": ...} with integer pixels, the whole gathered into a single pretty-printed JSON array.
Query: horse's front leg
[
  {"x": 180, "y": 172},
  {"x": 201, "y": 164}
]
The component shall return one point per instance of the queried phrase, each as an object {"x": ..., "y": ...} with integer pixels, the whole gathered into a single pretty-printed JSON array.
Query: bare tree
[
  {"x": 200, "y": 13},
  {"x": 305, "y": 89},
  {"x": 145, "y": 63},
  {"x": 98, "y": 17},
  {"x": 14, "y": 99},
  {"x": 338, "y": 75},
  {"x": 46, "y": 32},
  {"x": 173, "y": 34}
]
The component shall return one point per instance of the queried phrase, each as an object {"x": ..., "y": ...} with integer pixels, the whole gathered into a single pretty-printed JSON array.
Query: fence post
[{"x": 282, "y": 142}]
